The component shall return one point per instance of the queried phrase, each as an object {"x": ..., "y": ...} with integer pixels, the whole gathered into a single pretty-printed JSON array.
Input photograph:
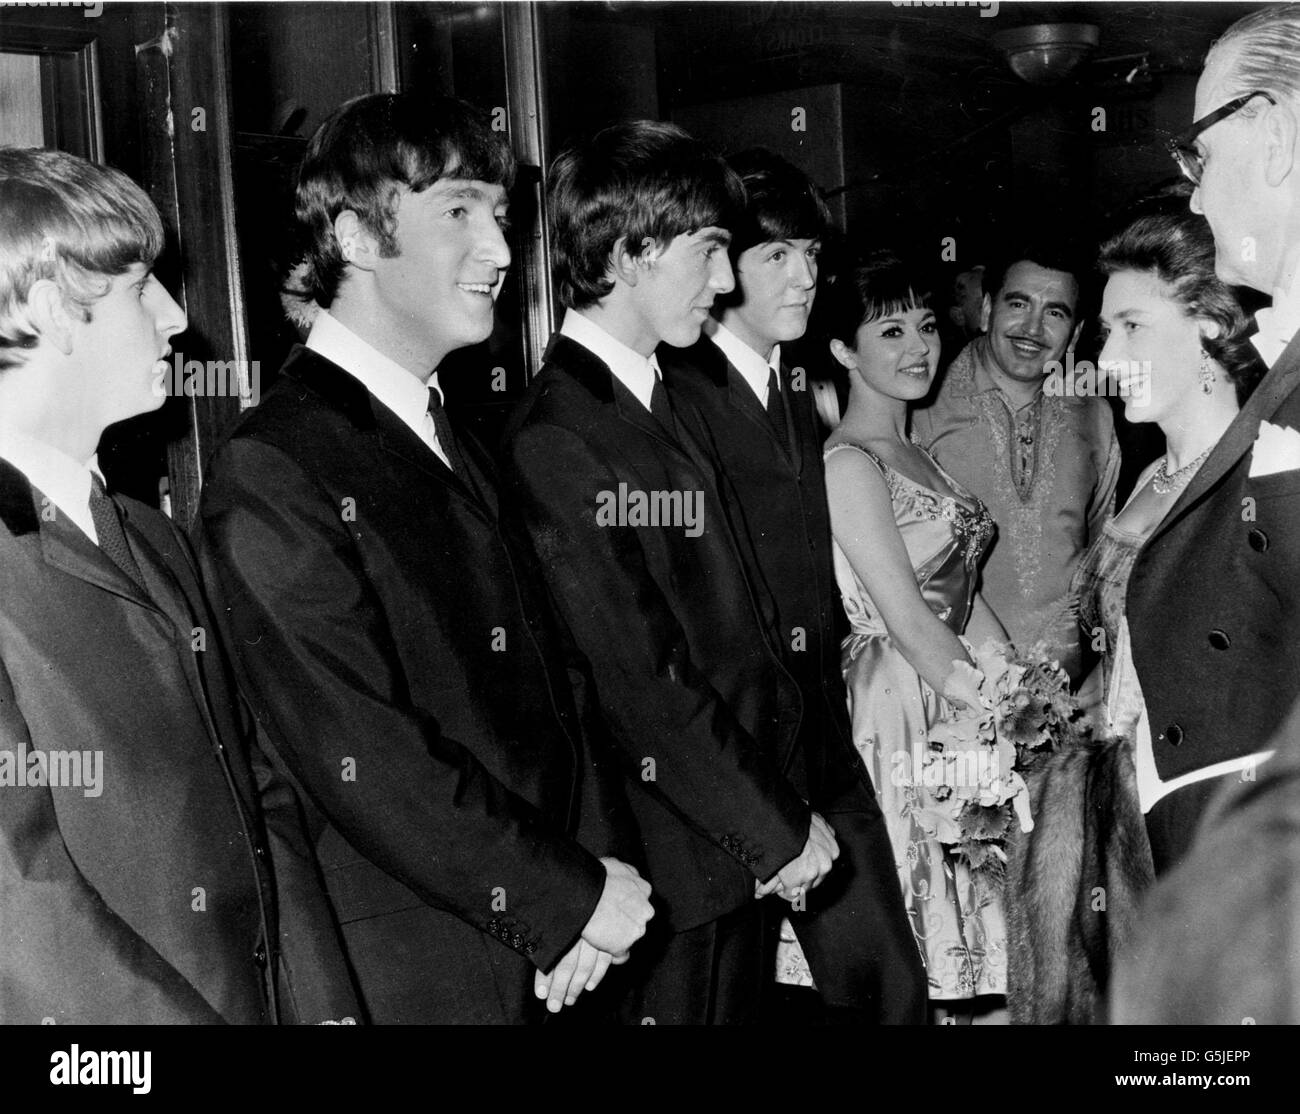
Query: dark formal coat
[
  {"x": 701, "y": 707},
  {"x": 855, "y": 934},
  {"x": 1216, "y": 942},
  {"x": 1214, "y": 610},
  {"x": 153, "y": 901},
  {"x": 406, "y": 669}
]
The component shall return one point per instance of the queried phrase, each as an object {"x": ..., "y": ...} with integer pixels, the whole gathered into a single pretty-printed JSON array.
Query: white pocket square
[{"x": 1276, "y": 449}]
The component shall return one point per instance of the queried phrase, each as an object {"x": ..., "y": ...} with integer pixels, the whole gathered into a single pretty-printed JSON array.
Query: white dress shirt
[
  {"x": 636, "y": 372},
  {"x": 752, "y": 367},
  {"x": 62, "y": 480},
  {"x": 1278, "y": 323},
  {"x": 403, "y": 393}
]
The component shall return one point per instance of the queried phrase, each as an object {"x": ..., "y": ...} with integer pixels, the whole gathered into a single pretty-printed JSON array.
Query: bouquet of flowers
[{"x": 972, "y": 786}]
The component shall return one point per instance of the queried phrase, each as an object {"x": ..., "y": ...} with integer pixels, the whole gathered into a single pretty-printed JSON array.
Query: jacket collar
[
  {"x": 707, "y": 359},
  {"x": 592, "y": 374},
  {"x": 348, "y": 395},
  {"x": 17, "y": 503}
]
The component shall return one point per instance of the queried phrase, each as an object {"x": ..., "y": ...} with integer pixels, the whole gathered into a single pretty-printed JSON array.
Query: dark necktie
[
  {"x": 446, "y": 439},
  {"x": 660, "y": 407},
  {"x": 776, "y": 411},
  {"x": 112, "y": 538}
]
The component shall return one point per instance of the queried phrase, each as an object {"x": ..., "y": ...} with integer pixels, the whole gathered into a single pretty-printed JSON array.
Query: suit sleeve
[
  {"x": 314, "y": 983},
  {"x": 675, "y": 730},
  {"x": 316, "y": 657}
]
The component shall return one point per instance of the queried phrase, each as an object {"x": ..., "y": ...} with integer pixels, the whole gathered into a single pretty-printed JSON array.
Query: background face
[
  {"x": 1229, "y": 193},
  {"x": 777, "y": 281},
  {"x": 1031, "y": 319}
]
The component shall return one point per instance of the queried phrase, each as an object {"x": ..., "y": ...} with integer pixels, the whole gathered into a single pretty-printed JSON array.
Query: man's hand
[
  {"x": 621, "y": 914},
  {"x": 812, "y": 865},
  {"x": 580, "y": 968},
  {"x": 617, "y": 923}
]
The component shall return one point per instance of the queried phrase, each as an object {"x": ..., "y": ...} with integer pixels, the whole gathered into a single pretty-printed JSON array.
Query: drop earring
[{"x": 1206, "y": 373}]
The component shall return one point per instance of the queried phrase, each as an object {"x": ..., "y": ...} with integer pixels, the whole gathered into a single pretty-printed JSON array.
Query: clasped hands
[
  {"x": 624, "y": 909},
  {"x": 617, "y": 923},
  {"x": 807, "y": 870}
]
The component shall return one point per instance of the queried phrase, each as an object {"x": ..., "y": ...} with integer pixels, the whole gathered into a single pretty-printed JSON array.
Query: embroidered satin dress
[{"x": 957, "y": 923}]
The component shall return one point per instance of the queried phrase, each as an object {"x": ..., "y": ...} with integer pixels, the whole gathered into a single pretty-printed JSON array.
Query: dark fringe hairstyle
[
  {"x": 365, "y": 153},
  {"x": 639, "y": 180},
  {"x": 881, "y": 285},
  {"x": 781, "y": 202}
]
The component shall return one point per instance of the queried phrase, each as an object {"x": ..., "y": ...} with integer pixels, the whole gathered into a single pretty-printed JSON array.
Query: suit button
[
  {"x": 259, "y": 956},
  {"x": 259, "y": 851},
  {"x": 1258, "y": 540},
  {"x": 1219, "y": 640},
  {"x": 1174, "y": 734}
]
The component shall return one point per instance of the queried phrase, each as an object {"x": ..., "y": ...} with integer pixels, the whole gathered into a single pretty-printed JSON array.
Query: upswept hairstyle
[
  {"x": 781, "y": 202},
  {"x": 637, "y": 180},
  {"x": 1267, "y": 49},
  {"x": 365, "y": 154},
  {"x": 1178, "y": 248},
  {"x": 71, "y": 221},
  {"x": 881, "y": 285}
]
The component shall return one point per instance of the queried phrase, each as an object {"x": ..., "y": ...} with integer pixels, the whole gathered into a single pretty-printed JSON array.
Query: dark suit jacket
[
  {"x": 1214, "y": 605},
  {"x": 154, "y": 901},
  {"x": 855, "y": 935},
  {"x": 779, "y": 502},
  {"x": 405, "y": 668},
  {"x": 1216, "y": 942},
  {"x": 702, "y": 709}
]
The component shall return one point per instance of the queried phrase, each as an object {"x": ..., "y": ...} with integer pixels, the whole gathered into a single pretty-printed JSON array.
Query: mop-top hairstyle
[
  {"x": 365, "y": 154},
  {"x": 72, "y": 222},
  {"x": 635, "y": 181}
]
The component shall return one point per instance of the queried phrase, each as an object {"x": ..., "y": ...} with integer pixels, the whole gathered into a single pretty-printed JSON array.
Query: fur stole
[{"x": 1073, "y": 883}]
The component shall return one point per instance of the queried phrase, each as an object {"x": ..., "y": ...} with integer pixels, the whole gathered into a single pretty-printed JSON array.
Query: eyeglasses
[{"x": 1190, "y": 161}]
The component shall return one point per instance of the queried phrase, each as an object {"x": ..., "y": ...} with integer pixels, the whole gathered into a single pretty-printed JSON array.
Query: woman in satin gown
[{"x": 908, "y": 541}]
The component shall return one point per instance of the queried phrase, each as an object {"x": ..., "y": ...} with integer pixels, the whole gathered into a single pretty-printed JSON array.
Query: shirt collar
[
  {"x": 636, "y": 372},
  {"x": 62, "y": 480},
  {"x": 386, "y": 379},
  {"x": 1278, "y": 323},
  {"x": 970, "y": 375},
  {"x": 752, "y": 367}
]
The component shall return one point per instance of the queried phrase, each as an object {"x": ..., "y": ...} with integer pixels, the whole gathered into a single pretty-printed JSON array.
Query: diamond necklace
[{"x": 1163, "y": 482}]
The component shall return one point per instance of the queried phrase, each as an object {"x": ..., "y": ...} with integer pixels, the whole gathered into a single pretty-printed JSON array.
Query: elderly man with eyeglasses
[{"x": 1214, "y": 598}]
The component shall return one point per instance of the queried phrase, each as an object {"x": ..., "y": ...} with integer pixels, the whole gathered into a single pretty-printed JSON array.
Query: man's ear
[
  {"x": 623, "y": 266},
  {"x": 844, "y": 355},
  {"x": 357, "y": 244},
  {"x": 1279, "y": 142},
  {"x": 51, "y": 315},
  {"x": 986, "y": 312}
]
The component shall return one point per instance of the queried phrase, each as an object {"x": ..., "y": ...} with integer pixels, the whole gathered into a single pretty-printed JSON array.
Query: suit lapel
[
  {"x": 67, "y": 549},
  {"x": 348, "y": 394},
  {"x": 1281, "y": 380},
  {"x": 592, "y": 373}
]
